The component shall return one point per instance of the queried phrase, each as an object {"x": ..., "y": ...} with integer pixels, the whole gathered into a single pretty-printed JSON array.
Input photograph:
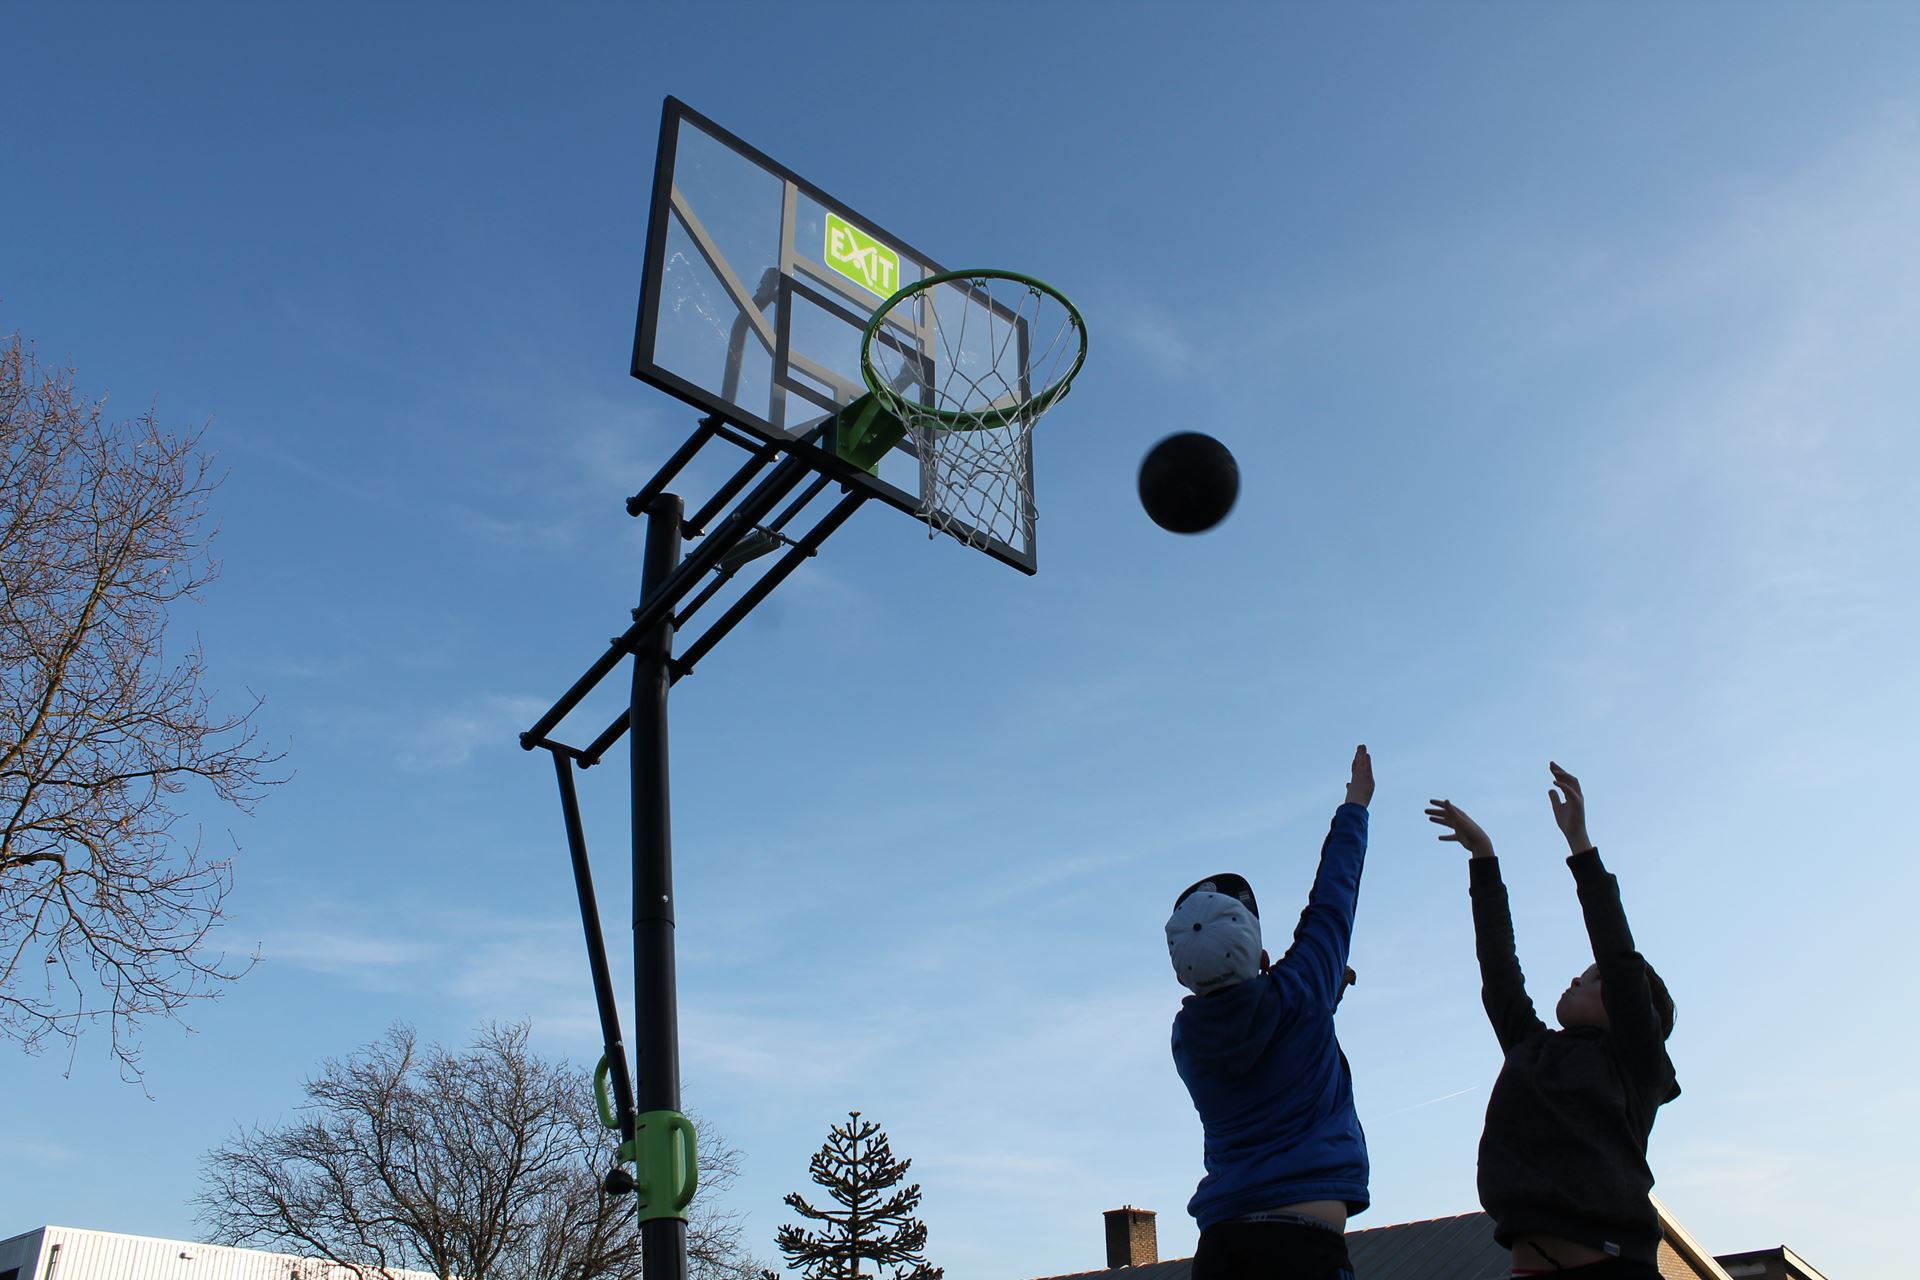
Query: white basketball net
[{"x": 969, "y": 366}]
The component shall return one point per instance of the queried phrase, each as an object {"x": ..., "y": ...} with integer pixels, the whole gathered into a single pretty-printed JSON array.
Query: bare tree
[
  {"x": 485, "y": 1164},
  {"x": 106, "y": 905}
]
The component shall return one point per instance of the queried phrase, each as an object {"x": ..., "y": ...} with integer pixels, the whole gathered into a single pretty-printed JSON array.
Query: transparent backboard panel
[{"x": 758, "y": 288}]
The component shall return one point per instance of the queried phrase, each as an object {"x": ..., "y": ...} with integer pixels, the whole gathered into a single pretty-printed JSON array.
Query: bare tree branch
[
  {"x": 484, "y": 1164},
  {"x": 106, "y": 908}
]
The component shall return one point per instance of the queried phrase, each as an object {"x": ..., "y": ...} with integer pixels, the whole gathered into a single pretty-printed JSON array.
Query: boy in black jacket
[{"x": 1563, "y": 1158}]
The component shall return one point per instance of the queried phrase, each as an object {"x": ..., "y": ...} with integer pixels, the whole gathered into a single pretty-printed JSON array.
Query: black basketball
[{"x": 1188, "y": 482}]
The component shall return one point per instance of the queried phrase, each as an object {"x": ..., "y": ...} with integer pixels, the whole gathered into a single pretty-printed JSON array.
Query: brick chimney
[{"x": 1130, "y": 1237}]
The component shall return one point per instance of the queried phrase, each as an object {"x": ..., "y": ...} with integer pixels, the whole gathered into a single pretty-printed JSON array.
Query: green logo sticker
[{"x": 860, "y": 258}]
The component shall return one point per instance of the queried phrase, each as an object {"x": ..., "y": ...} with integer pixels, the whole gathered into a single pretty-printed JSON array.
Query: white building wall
[{"x": 73, "y": 1253}]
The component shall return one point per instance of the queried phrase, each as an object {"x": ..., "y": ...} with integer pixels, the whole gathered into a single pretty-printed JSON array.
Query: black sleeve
[
  {"x": 1503, "y": 988},
  {"x": 1624, "y": 989}
]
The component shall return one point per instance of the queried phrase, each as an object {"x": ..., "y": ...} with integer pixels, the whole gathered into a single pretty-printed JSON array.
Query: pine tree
[{"x": 874, "y": 1222}]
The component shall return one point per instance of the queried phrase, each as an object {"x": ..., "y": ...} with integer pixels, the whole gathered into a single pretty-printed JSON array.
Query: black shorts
[{"x": 1271, "y": 1251}]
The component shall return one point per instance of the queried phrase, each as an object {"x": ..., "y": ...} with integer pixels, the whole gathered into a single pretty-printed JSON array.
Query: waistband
[{"x": 1292, "y": 1219}]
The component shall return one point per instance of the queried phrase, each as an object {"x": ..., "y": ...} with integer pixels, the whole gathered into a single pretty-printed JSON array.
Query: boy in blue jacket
[
  {"x": 1563, "y": 1159},
  {"x": 1286, "y": 1160}
]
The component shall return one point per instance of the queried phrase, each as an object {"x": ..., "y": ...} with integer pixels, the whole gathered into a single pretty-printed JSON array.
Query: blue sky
[{"x": 1567, "y": 354}]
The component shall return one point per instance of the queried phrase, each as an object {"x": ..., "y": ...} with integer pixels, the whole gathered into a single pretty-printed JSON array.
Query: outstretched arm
[
  {"x": 1624, "y": 989},
  {"x": 1503, "y": 988},
  {"x": 1324, "y": 935}
]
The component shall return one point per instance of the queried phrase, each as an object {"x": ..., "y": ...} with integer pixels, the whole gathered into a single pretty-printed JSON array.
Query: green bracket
[
  {"x": 663, "y": 1151},
  {"x": 867, "y": 431},
  {"x": 667, "y": 1163}
]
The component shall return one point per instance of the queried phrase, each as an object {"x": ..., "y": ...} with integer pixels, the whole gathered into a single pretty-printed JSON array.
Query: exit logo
[{"x": 860, "y": 258}]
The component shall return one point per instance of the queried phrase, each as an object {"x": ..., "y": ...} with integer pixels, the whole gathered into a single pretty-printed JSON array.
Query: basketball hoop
[{"x": 967, "y": 361}]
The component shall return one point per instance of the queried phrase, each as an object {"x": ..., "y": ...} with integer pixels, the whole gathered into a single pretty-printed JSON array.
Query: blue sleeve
[{"x": 1318, "y": 956}]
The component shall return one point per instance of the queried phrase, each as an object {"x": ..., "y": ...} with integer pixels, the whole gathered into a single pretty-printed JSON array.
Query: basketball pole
[
  {"x": 659, "y": 1141},
  {"x": 663, "y": 1241}
]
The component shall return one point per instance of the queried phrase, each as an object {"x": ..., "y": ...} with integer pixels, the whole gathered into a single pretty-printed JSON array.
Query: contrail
[{"x": 1429, "y": 1102}]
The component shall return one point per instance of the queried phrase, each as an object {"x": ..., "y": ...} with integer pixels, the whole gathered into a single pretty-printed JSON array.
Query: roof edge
[
  {"x": 1796, "y": 1260},
  {"x": 1685, "y": 1245}
]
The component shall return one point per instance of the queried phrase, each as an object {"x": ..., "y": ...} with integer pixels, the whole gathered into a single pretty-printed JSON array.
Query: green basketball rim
[{"x": 958, "y": 419}]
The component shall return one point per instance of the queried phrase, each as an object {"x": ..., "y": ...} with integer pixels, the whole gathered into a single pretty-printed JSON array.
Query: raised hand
[
  {"x": 1569, "y": 812},
  {"x": 1360, "y": 783},
  {"x": 1464, "y": 830}
]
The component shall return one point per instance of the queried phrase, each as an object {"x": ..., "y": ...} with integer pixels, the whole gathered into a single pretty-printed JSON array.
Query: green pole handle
[
  {"x": 600, "y": 1093},
  {"x": 669, "y": 1165}
]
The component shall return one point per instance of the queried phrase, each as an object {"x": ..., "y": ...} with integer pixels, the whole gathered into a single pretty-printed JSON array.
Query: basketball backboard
[{"x": 758, "y": 287}]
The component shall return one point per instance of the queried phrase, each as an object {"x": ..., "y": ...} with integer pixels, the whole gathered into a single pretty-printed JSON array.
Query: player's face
[{"x": 1580, "y": 1004}]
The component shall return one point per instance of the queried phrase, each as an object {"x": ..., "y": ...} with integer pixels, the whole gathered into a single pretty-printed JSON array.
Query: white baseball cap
[{"x": 1213, "y": 938}]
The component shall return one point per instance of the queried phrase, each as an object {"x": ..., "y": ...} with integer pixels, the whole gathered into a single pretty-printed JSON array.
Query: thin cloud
[
  {"x": 251, "y": 444},
  {"x": 448, "y": 739},
  {"x": 786, "y": 1052},
  {"x": 1762, "y": 460},
  {"x": 30, "y": 1152},
  {"x": 495, "y": 966},
  {"x": 1204, "y": 829},
  {"x": 531, "y": 964},
  {"x": 556, "y": 533},
  {"x": 1731, "y": 1171},
  {"x": 366, "y": 958},
  {"x": 1156, "y": 335},
  {"x": 333, "y": 667}
]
